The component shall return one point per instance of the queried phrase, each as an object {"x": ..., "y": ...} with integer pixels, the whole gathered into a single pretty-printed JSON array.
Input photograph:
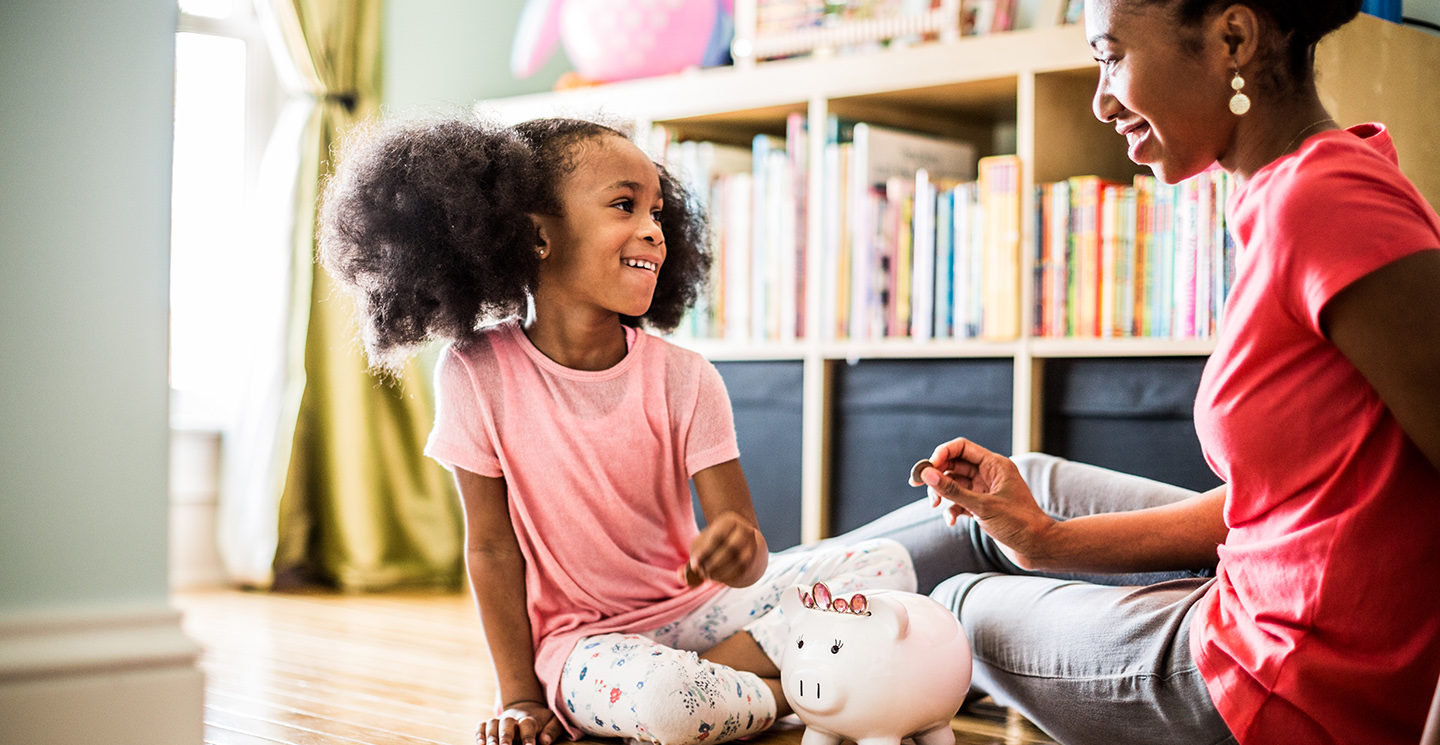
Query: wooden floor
[{"x": 401, "y": 669}]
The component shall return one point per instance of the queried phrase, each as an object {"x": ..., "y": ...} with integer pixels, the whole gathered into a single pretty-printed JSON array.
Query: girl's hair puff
[{"x": 427, "y": 225}]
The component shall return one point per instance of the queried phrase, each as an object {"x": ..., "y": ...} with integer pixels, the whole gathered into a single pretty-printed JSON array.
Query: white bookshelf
[{"x": 1025, "y": 92}]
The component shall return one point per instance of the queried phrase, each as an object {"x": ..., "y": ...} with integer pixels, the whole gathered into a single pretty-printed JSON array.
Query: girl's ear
[{"x": 542, "y": 238}]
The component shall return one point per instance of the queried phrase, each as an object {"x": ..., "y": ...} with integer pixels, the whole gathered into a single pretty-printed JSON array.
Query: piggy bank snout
[{"x": 814, "y": 690}]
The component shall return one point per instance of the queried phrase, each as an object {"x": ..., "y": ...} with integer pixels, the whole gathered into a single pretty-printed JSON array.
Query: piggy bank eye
[
  {"x": 836, "y": 649},
  {"x": 799, "y": 643}
]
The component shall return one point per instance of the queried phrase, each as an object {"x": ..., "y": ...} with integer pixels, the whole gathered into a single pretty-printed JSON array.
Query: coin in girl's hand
[{"x": 918, "y": 469}]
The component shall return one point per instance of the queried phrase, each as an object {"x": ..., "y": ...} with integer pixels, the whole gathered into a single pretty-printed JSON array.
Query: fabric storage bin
[{"x": 890, "y": 413}]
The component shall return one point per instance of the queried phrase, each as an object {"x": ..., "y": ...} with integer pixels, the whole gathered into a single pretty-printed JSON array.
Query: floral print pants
[{"x": 652, "y": 686}]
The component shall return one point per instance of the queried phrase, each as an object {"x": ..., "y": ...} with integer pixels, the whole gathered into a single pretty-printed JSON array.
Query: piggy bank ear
[
  {"x": 891, "y": 615},
  {"x": 792, "y": 602}
]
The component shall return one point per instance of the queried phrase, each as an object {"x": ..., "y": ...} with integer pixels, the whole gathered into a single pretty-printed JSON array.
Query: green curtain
[{"x": 361, "y": 506}]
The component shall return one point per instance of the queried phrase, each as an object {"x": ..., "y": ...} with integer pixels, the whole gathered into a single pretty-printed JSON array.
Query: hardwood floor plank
[{"x": 390, "y": 669}]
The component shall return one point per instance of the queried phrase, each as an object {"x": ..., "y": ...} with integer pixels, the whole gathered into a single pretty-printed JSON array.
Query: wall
[
  {"x": 1425, "y": 10},
  {"x": 441, "y": 53},
  {"x": 89, "y": 651}
]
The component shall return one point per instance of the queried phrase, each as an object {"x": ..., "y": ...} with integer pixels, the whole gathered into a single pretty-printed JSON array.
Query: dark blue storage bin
[
  {"x": 1130, "y": 415},
  {"x": 890, "y": 413},
  {"x": 767, "y": 398}
]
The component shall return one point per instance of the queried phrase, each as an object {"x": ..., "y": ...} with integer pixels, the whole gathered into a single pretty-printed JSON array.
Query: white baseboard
[{"x": 104, "y": 676}]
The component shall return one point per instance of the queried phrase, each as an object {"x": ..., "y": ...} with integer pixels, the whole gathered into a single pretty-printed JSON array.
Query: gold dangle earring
[{"x": 1239, "y": 103}]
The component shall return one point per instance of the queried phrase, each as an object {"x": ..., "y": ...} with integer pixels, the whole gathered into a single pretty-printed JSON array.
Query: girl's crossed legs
[{"x": 656, "y": 686}]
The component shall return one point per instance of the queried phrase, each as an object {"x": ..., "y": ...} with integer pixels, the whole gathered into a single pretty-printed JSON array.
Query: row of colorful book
[
  {"x": 1146, "y": 259},
  {"x": 977, "y": 17},
  {"x": 918, "y": 239}
]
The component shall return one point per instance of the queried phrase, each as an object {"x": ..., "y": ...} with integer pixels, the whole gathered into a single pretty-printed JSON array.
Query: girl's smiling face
[
  {"x": 605, "y": 250},
  {"x": 1165, "y": 88}
]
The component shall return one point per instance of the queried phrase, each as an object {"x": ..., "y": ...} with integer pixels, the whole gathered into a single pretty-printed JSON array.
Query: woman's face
[
  {"x": 1169, "y": 102},
  {"x": 606, "y": 250}
]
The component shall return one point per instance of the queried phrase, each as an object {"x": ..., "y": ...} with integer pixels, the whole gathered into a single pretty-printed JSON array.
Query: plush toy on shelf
[
  {"x": 873, "y": 668},
  {"x": 609, "y": 40}
]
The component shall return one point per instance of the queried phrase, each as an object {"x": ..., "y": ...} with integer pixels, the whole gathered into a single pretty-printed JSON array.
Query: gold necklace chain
[{"x": 1307, "y": 129}]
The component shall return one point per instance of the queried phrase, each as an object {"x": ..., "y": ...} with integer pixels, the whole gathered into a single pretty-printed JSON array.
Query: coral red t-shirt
[
  {"x": 597, "y": 467},
  {"x": 1324, "y": 622}
]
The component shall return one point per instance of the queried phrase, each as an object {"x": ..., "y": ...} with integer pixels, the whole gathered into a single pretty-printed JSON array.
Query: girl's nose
[{"x": 650, "y": 232}]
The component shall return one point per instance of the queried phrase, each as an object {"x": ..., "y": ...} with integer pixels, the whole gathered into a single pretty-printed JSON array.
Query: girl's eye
[
  {"x": 655, "y": 215},
  {"x": 624, "y": 204}
]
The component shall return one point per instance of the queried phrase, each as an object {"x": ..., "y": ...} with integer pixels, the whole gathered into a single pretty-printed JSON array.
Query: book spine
[
  {"x": 944, "y": 263},
  {"x": 922, "y": 230}
]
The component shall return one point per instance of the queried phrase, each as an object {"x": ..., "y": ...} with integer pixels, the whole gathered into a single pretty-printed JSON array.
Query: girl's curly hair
[{"x": 427, "y": 224}]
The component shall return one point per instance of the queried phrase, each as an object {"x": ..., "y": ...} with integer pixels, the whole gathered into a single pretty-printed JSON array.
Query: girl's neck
[
  {"x": 589, "y": 342},
  {"x": 1265, "y": 135}
]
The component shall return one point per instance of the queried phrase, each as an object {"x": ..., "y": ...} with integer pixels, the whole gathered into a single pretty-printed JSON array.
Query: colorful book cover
[
  {"x": 922, "y": 248},
  {"x": 797, "y": 148},
  {"x": 1057, "y": 287},
  {"x": 900, "y": 196},
  {"x": 1110, "y": 227},
  {"x": 1000, "y": 193},
  {"x": 1144, "y": 241},
  {"x": 1085, "y": 270},
  {"x": 944, "y": 263}
]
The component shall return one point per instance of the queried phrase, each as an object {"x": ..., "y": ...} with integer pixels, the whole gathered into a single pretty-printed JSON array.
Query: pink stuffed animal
[{"x": 610, "y": 40}]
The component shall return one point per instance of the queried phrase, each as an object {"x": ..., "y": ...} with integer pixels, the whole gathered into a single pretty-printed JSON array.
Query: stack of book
[
  {"x": 1145, "y": 259},
  {"x": 913, "y": 244},
  {"x": 755, "y": 201},
  {"x": 918, "y": 238}
]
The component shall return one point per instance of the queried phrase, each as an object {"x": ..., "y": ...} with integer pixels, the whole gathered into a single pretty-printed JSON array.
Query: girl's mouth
[{"x": 641, "y": 264}]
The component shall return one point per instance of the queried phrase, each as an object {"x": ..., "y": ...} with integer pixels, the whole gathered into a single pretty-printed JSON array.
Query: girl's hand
[
  {"x": 522, "y": 723},
  {"x": 724, "y": 551},
  {"x": 988, "y": 488}
]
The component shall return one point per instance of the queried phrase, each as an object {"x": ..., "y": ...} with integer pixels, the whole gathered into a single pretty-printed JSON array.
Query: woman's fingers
[{"x": 959, "y": 453}]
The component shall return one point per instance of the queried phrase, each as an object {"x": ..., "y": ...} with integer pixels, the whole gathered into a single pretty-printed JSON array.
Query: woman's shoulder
[{"x": 1341, "y": 172}]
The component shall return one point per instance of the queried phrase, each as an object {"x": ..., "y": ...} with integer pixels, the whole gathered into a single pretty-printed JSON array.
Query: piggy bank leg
[
  {"x": 878, "y": 741},
  {"x": 814, "y": 736},
  {"x": 941, "y": 734}
]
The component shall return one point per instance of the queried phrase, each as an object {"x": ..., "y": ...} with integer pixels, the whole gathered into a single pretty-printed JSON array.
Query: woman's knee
[{"x": 887, "y": 565}]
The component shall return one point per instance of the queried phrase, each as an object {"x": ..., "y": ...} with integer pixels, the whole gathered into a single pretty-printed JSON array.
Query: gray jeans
[{"x": 1101, "y": 659}]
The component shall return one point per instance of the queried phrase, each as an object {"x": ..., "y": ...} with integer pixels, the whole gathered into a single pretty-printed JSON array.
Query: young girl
[{"x": 573, "y": 435}]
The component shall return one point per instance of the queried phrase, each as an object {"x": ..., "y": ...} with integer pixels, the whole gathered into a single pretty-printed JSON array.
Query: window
[{"x": 226, "y": 102}]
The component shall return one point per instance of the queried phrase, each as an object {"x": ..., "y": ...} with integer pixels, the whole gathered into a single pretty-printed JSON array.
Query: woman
[{"x": 1320, "y": 409}]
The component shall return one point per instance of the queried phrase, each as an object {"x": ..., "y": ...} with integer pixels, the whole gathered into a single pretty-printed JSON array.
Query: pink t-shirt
[
  {"x": 597, "y": 466},
  {"x": 1324, "y": 622}
]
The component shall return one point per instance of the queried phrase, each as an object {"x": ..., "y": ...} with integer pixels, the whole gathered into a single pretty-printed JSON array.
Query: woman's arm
[
  {"x": 497, "y": 578},
  {"x": 731, "y": 548},
  {"x": 989, "y": 488},
  {"x": 1387, "y": 324}
]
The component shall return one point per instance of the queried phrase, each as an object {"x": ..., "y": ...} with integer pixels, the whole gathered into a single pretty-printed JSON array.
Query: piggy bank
[{"x": 873, "y": 668}]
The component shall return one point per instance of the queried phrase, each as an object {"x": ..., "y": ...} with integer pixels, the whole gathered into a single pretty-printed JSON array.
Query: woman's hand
[
  {"x": 522, "y": 723},
  {"x": 989, "y": 488},
  {"x": 724, "y": 551}
]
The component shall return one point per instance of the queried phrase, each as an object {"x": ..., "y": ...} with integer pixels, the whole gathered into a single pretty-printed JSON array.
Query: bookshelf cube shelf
[{"x": 1025, "y": 93}]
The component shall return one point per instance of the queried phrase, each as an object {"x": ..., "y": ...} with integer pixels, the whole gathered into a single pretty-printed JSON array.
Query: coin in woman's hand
[{"x": 918, "y": 469}]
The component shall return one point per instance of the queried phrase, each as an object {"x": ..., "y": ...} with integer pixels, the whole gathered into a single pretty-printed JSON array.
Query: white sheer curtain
[{"x": 257, "y": 446}]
